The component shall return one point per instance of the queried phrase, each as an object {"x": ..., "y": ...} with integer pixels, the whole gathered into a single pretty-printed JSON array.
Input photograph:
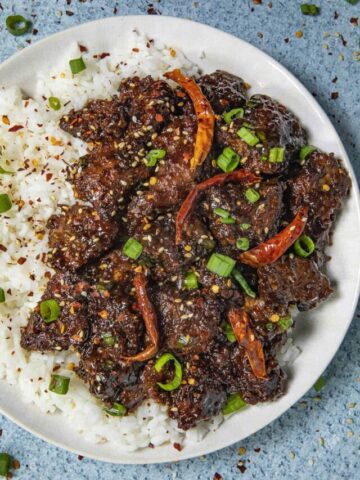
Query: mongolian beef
[{"x": 200, "y": 224}]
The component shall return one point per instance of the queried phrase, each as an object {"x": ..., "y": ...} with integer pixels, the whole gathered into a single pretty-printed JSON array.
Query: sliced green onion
[
  {"x": 264, "y": 158},
  {"x": 304, "y": 246},
  {"x": 5, "y": 203},
  {"x": 2, "y": 295},
  {"x": 176, "y": 381},
  {"x": 17, "y": 25},
  {"x": 319, "y": 384},
  {"x": 77, "y": 65},
  {"x": 234, "y": 403},
  {"x": 309, "y": 9},
  {"x": 245, "y": 226},
  {"x": 229, "y": 332},
  {"x": 132, "y": 249},
  {"x": 59, "y": 384},
  {"x": 5, "y": 464},
  {"x": 221, "y": 264},
  {"x": 116, "y": 410},
  {"x": 306, "y": 151},
  {"x": 285, "y": 323},
  {"x": 242, "y": 243},
  {"x": 353, "y": 2},
  {"x": 248, "y": 136},
  {"x": 221, "y": 212},
  {"x": 228, "y": 220},
  {"x": 49, "y": 310},
  {"x": 269, "y": 326},
  {"x": 232, "y": 114},
  {"x": 108, "y": 339},
  {"x": 54, "y": 103},
  {"x": 3, "y": 172},
  {"x": 191, "y": 281},
  {"x": 228, "y": 160},
  {"x": 277, "y": 155},
  {"x": 153, "y": 156},
  {"x": 252, "y": 195},
  {"x": 243, "y": 283}
]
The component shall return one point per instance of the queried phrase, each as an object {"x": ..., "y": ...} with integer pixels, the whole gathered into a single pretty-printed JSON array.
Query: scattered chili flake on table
[
  {"x": 177, "y": 446},
  {"x": 80, "y": 457},
  {"x": 217, "y": 476},
  {"x": 334, "y": 95},
  {"x": 354, "y": 21},
  {"x": 241, "y": 467}
]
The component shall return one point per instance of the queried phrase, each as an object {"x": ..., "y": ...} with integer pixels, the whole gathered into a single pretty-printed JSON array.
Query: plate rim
[{"x": 16, "y": 57}]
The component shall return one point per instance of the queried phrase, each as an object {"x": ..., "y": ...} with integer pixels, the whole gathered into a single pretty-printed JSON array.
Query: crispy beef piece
[
  {"x": 291, "y": 281},
  {"x": 71, "y": 327},
  {"x": 322, "y": 184},
  {"x": 256, "y": 221},
  {"x": 99, "y": 121},
  {"x": 188, "y": 320},
  {"x": 78, "y": 235},
  {"x": 105, "y": 183},
  {"x": 223, "y": 90},
  {"x": 116, "y": 330},
  {"x": 274, "y": 125}
]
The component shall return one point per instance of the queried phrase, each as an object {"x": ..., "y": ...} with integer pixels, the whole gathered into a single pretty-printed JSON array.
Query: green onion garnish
[
  {"x": 221, "y": 212},
  {"x": 306, "y": 151},
  {"x": 176, "y": 381},
  {"x": 17, "y": 25},
  {"x": 2, "y": 295},
  {"x": 245, "y": 226},
  {"x": 132, "y": 249},
  {"x": 5, "y": 203},
  {"x": 232, "y": 114},
  {"x": 77, "y": 65},
  {"x": 228, "y": 220},
  {"x": 108, "y": 339},
  {"x": 252, "y": 195},
  {"x": 153, "y": 156},
  {"x": 285, "y": 323},
  {"x": 309, "y": 9},
  {"x": 190, "y": 281},
  {"x": 54, "y": 103},
  {"x": 229, "y": 332},
  {"x": 221, "y": 264},
  {"x": 228, "y": 160},
  {"x": 242, "y": 243},
  {"x": 353, "y": 2},
  {"x": 116, "y": 410},
  {"x": 234, "y": 403},
  {"x": 49, "y": 310},
  {"x": 5, "y": 464},
  {"x": 3, "y": 172},
  {"x": 248, "y": 136},
  {"x": 59, "y": 384},
  {"x": 319, "y": 384},
  {"x": 277, "y": 155},
  {"x": 243, "y": 283},
  {"x": 304, "y": 246}
]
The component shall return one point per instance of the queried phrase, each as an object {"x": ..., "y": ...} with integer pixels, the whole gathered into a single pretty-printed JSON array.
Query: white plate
[{"x": 319, "y": 332}]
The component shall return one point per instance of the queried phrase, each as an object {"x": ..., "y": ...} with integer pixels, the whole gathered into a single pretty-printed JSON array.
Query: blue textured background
[{"x": 319, "y": 437}]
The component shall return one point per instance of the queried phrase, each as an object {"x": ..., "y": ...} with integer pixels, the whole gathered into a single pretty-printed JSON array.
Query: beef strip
[
  {"x": 223, "y": 90},
  {"x": 274, "y": 125},
  {"x": 72, "y": 325},
  {"x": 293, "y": 280},
  {"x": 78, "y": 235},
  {"x": 322, "y": 184},
  {"x": 254, "y": 221}
]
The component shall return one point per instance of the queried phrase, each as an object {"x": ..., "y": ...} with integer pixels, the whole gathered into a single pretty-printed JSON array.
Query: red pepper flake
[
  {"x": 82, "y": 48},
  {"x": 15, "y": 128},
  {"x": 47, "y": 275},
  {"x": 16, "y": 464},
  {"x": 354, "y": 21},
  {"x": 241, "y": 467},
  {"x": 159, "y": 117},
  {"x": 35, "y": 31},
  {"x": 3, "y": 248},
  {"x": 257, "y": 2},
  {"x": 151, "y": 10},
  {"x": 217, "y": 476},
  {"x": 177, "y": 446},
  {"x": 334, "y": 95},
  {"x": 151, "y": 445},
  {"x": 80, "y": 457},
  {"x": 21, "y": 260},
  {"x": 136, "y": 50},
  {"x": 104, "y": 55},
  {"x": 69, "y": 13},
  {"x": 334, "y": 80},
  {"x": 48, "y": 177},
  {"x": 257, "y": 450}
]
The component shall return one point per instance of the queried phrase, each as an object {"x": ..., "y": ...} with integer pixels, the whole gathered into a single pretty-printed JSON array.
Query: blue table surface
[{"x": 318, "y": 437}]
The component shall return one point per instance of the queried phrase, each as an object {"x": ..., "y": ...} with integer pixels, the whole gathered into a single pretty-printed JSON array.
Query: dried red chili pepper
[
  {"x": 149, "y": 316},
  {"x": 268, "y": 252},
  {"x": 236, "y": 176},
  {"x": 240, "y": 323},
  {"x": 204, "y": 113}
]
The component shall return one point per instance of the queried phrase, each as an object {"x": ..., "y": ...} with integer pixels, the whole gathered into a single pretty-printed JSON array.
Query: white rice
[{"x": 39, "y": 154}]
